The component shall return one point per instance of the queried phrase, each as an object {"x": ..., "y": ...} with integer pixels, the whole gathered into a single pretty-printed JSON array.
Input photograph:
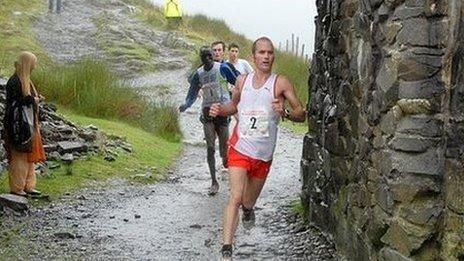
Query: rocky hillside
[{"x": 109, "y": 30}]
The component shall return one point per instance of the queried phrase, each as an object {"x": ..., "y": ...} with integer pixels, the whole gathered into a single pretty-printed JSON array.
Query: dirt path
[{"x": 173, "y": 219}]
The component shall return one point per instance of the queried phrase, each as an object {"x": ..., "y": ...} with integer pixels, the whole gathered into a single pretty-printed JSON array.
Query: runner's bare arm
[
  {"x": 297, "y": 113},
  {"x": 231, "y": 107}
]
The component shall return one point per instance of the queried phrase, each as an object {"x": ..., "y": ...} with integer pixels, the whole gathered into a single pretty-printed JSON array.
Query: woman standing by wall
[{"x": 21, "y": 91}]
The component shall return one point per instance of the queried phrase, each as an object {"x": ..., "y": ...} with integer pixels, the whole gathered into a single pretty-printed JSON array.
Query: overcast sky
[{"x": 277, "y": 19}]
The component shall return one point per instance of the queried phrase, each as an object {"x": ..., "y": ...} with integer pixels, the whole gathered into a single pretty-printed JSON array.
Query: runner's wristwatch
[{"x": 286, "y": 114}]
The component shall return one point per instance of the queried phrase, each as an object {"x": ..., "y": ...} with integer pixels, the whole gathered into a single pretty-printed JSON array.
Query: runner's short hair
[
  {"x": 262, "y": 38},
  {"x": 221, "y": 43},
  {"x": 233, "y": 45},
  {"x": 204, "y": 50}
]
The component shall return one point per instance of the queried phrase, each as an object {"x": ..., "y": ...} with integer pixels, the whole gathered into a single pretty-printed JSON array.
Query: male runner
[
  {"x": 259, "y": 101},
  {"x": 212, "y": 78},
  {"x": 218, "y": 49},
  {"x": 240, "y": 64}
]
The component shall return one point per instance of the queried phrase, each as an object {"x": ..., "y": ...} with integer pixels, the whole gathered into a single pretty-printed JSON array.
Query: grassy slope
[
  {"x": 150, "y": 152},
  {"x": 90, "y": 88},
  {"x": 16, "y": 34}
]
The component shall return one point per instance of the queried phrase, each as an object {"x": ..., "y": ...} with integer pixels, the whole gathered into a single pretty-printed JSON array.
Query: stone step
[{"x": 14, "y": 202}]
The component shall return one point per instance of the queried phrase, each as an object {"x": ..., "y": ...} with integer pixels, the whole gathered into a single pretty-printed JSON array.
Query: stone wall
[{"x": 383, "y": 163}]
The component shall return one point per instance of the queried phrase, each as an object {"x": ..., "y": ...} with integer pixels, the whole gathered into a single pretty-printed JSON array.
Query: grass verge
[
  {"x": 299, "y": 128},
  {"x": 9, "y": 239},
  {"x": 299, "y": 209},
  {"x": 89, "y": 88},
  {"x": 150, "y": 153}
]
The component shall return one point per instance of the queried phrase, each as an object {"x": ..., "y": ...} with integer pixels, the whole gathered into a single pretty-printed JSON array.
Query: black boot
[
  {"x": 226, "y": 251},
  {"x": 248, "y": 214}
]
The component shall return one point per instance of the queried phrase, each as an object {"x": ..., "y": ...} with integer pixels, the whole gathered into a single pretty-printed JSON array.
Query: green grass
[
  {"x": 150, "y": 152},
  {"x": 16, "y": 34},
  {"x": 119, "y": 45},
  {"x": 149, "y": 13},
  {"x": 9, "y": 239},
  {"x": 89, "y": 88},
  {"x": 299, "y": 128},
  {"x": 300, "y": 209},
  {"x": 297, "y": 70}
]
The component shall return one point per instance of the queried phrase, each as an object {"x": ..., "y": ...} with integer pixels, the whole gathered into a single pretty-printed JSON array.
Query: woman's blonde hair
[{"x": 24, "y": 65}]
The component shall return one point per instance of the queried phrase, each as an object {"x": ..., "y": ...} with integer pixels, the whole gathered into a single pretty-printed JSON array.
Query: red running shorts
[{"x": 255, "y": 168}]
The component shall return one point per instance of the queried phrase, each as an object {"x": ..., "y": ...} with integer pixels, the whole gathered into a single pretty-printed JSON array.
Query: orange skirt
[{"x": 38, "y": 152}]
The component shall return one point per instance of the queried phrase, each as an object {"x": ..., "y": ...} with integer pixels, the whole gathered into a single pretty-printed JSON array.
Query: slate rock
[{"x": 14, "y": 202}]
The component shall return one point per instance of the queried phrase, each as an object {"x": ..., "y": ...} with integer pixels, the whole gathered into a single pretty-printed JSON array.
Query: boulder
[{"x": 14, "y": 202}]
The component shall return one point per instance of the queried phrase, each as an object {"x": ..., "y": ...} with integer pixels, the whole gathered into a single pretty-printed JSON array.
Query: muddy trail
[{"x": 173, "y": 219}]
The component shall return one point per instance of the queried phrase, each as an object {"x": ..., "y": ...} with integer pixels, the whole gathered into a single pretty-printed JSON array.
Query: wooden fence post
[{"x": 293, "y": 43}]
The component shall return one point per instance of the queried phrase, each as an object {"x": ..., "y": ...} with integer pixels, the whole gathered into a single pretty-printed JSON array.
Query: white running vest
[{"x": 256, "y": 128}]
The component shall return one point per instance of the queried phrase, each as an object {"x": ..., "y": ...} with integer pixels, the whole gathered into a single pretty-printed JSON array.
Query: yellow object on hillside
[{"x": 172, "y": 9}]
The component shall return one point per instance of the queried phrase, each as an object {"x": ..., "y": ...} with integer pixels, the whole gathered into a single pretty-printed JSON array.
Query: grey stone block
[
  {"x": 388, "y": 123},
  {"x": 14, "y": 202},
  {"x": 311, "y": 148},
  {"x": 421, "y": 32},
  {"x": 71, "y": 146},
  {"x": 384, "y": 198},
  {"x": 382, "y": 161},
  {"x": 388, "y": 254},
  {"x": 3, "y": 81},
  {"x": 422, "y": 212},
  {"x": 431, "y": 162},
  {"x": 423, "y": 125},
  {"x": 414, "y": 67},
  {"x": 393, "y": 3},
  {"x": 409, "y": 143},
  {"x": 376, "y": 3},
  {"x": 377, "y": 225},
  {"x": 405, "y": 187},
  {"x": 425, "y": 89},
  {"x": 404, "y": 12},
  {"x": 393, "y": 29},
  {"x": 405, "y": 237},
  {"x": 67, "y": 158},
  {"x": 383, "y": 12},
  {"x": 387, "y": 80}
]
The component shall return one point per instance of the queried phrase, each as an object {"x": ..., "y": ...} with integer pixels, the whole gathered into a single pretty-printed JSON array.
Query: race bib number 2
[{"x": 254, "y": 124}]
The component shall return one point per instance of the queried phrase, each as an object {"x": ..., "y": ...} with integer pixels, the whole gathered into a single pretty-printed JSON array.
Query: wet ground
[{"x": 174, "y": 219}]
